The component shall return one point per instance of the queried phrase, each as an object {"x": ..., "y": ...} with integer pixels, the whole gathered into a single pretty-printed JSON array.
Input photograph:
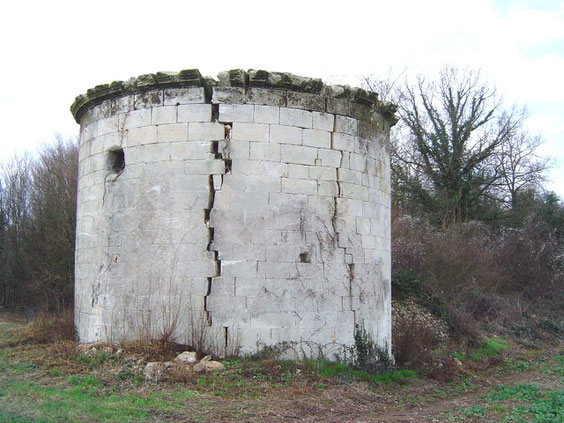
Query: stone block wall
[{"x": 255, "y": 208}]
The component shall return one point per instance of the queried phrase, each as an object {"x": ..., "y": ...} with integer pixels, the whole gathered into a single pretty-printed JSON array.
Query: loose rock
[
  {"x": 187, "y": 357},
  {"x": 130, "y": 359},
  {"x": 208, "y": 366},
  {"x": 154, "y": 371}
]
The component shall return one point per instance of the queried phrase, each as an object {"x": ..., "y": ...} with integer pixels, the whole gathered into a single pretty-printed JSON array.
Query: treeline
[
  {"x": 37, "y": 228},
  {"x": 473, "y": 226},
  {"x": 476, "y": 238}
]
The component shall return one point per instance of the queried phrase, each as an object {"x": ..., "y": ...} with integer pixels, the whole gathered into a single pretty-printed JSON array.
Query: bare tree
[
  {"x": 14, "y": 205},
  {"x": 520, "y": 167},
  {"x": 53, "y": 208},
  {"x": 456, "y": 150},
  {"x": 37, "y": 216}
]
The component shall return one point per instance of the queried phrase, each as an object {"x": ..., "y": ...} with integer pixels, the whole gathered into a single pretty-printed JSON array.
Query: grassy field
[{"x": 60, "y": 382}]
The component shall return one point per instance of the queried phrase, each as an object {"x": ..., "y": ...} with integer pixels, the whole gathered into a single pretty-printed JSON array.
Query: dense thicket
[
  {"x": 475, "y": 236},
  {"x": 37, "y": 227}
]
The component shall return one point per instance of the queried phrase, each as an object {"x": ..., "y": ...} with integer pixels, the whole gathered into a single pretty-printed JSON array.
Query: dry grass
[
  {"x": 49, "y": 327},
  {"x": 154, "y": 350},
  {"x": 413, "y": 342}
]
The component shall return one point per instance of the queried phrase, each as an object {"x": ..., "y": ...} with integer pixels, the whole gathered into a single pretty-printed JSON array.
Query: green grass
[
  {"x": 524, "y": 391},
  {"x": 540, "y": 406},
  {"x": 6, "y": 417},
  {"x": 86, "y": 399},
  {"x": 474, "y": 411},
  {"x": 329, "y": 369},
  {"x": 56, "y": 372},
  {"x": 519, "y": 403},
  {"x": 559, "y": 369},
  {"x": 94, "y": 361},
  {"x": 547, "y": 409},
  {"x": 492, "y": 347},
  {"x": 520, "y": 365}
]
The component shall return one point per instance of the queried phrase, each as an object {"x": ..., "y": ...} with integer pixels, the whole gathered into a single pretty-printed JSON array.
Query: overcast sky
[{"x": 54, "y": 50}]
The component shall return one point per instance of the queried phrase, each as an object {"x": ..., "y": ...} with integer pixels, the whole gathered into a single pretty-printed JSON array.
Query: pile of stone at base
[{"x": 155, "y": 370}]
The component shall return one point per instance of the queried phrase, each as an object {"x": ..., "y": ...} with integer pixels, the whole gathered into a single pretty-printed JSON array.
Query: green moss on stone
[{"x": 343, "y": 100}]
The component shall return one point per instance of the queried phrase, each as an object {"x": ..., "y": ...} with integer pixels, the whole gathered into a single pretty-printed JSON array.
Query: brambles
[
  {"x": 48, "y": 328},
  {"x": 475, "y": 277}
]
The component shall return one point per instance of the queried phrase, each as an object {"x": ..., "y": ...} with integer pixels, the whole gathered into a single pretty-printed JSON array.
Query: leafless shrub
[
  {"x": 181, "y": 374},
  {"x": 469, "y": 273},
  {"x": 413, "y": 342},
  {"x": 49, "y": 328}
]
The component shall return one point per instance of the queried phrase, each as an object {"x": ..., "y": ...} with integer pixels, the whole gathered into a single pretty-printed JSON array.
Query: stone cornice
[{"x": 366, "y": 100}]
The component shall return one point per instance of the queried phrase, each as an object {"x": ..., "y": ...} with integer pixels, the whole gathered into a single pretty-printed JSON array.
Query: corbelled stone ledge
[{"x": 337, "y": 99}]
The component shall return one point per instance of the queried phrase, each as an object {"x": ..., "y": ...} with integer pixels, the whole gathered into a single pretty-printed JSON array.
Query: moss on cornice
[{"x": 238, "y": 78}]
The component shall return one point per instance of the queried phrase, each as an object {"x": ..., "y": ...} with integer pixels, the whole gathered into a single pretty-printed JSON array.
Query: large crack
[
  {"x": 220, "y": 150},
  {"x": 350, "y": 265}
]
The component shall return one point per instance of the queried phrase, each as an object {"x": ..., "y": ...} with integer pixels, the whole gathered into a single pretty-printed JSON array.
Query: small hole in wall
[
  {"x": 215, "y": 112},
  {"x": 305, "y": 258},
  {"x": 116, "y": 160}
]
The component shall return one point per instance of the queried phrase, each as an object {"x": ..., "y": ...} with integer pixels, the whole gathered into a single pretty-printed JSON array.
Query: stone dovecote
[{"x": 254, "y": 208}]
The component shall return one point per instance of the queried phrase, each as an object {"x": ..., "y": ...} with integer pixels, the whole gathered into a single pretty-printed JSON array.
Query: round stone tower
[{"x": 243, "y": 212}]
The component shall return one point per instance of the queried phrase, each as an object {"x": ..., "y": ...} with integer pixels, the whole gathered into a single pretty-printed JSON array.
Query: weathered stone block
[
  {"x": 178, "y": 96},
  {"x": 230, "y": 95},
  {"x": 274, "y": 169},
  {"x": 162, "y": 115},
  {"x": 105, "y": 126},
  {"x": 298, "y": 171},
  {"x": 239, "y": 268},
  {"x": 194, "y": 113},
  {"x": 327, "y": 188},
  {"x": 305, "y": 101},
  {"x": 259, "y": 132},
  {"x": 204, "y": 167},
  {"x": 140, "y": 136},
  {"x": 323, "y": 173},
  {"x": 265, "y": 151},
  {"x": 323, "y": 121},
  {"x": 236, "y": 113},
  {"x": 298, "y": 154},
  {"x": 262, "y": 96},
  {"x": 346, "y": 125},
  {"x": 206, "y": 131},
  {"x": 343, "y": 142},
  {"x": 299, "y": 186},
  {"x": 330, "y": 158},
  {"x": 296, "y": 117},
  {"x": 135, "y": 119},
  {"x": 174, "y": 132},
  {"x": 285, "y": 134},
  {"x": 263, "y": 183},
  {"x": 267, "y": 114},
  {"x": 317, "y": 138}
]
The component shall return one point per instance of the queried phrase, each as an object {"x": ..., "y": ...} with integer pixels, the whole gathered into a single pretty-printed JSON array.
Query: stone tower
[{"x": 253, "y": 209}]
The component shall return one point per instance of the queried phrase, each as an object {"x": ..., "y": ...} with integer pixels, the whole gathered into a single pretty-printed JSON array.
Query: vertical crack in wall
[
  {"x": 225, "y": 339},
  {"x": 348, "y": 256},
  {"x": 220, "y": 151},
  {"x": 339, "y": 193}
]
